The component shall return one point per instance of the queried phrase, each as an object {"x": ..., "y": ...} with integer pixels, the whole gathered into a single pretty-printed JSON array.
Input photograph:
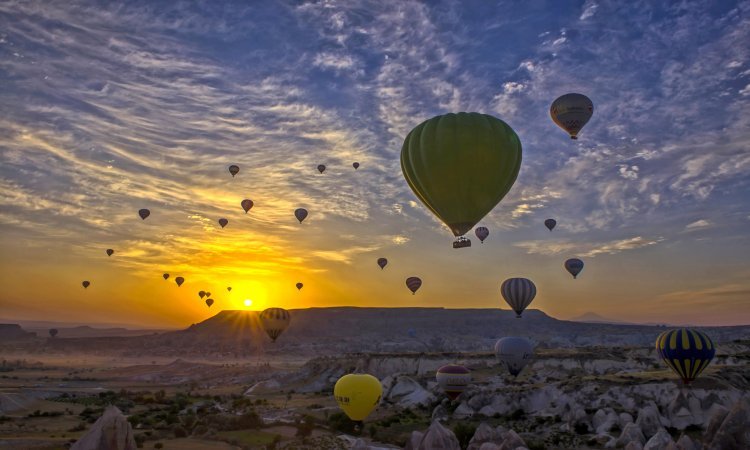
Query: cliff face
[{"x": 12, "y": 331}]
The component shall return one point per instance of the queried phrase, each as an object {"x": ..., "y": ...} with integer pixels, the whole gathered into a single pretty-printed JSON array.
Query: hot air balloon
[
  {"x": 209, "y": 302},
  {"x": 144, "y": 213},
  {"x": 550, "y": 224},
  {"x": 687, "y": 352},
  {"x": 299, "y": 286},
  {"x": 85, "y": 284},
  {"x": 234, "y": 170},
  {"x": 518, "y": 292},
  {"x": 574, "y": 266},
  {"x": 165, "y": 276},
  {"x": 382, "y": 262},
  {"x": 247, "y": 205},
  {"x": 110, "y": 252},
  {"x": 413, "y": 283},
  {"x": 179, "y": 281},
  {"x": 514, "y": 353},
  {"x": 358, "y": 394},
  {"x": 453, "y": 379},
  {"x": 223, "y": 222},
  {"x": 482, "y": 233},
  {"x": 477, "y": 152},
  {"x": 571, "y": 112},
  {"x": 53, "y": 332},
  {"x": 201, "y": 294},
  {"x": 275, "y": 321},
  {"x": 229, "y": 288},
  {"x": 300, "y": 214},
  {"x": 208, "y": 294},
  {"x": 355, "y": 165},
  {"x": 321, "y": 168}
]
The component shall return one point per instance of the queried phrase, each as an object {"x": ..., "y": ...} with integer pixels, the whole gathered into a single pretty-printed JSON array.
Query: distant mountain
[{"x": 592, "y": 317}]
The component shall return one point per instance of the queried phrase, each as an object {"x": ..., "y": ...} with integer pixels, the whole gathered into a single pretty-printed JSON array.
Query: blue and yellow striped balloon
[{"x": 686, "y": 351}]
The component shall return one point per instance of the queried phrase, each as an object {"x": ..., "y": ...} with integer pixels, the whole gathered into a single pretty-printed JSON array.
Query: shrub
[{"x": 464, "y": 432}]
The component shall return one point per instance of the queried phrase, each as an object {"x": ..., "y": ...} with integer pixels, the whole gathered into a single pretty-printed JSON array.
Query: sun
[{"x": 248, "y": 302}]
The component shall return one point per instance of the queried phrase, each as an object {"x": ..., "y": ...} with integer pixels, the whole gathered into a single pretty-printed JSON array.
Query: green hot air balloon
[{"x": 461, "y": 166}]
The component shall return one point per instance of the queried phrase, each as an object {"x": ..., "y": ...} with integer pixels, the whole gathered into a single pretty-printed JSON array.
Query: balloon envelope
[
  {"x": 571, "y": 112},
  {"x": 275, "y": 321},
  {"x": 358, "y": 395},
  {"x": 144, "y": 213},
  {"x": 355, "y": 165},
  {"x": 85, "y": 284},
  {"x": 209, "y": 302},
  {"x": 413, "y": 283},
  {"x": 321, "y": 168},
  {"x": 247, "y": 205},
  {"x": 165, "y": 276},
  {"x": 479, "y": 153},
  {"x": 453, "y": 379},
  {"x": 234, "y": 170},
  {"x": 382, "y": 262},
  {"x": 300, "y": 214},
  {"x": 179, "y": 281},
  {"x": 223, "y": 222},
  {"x": 208, "y": 294},
  {"x": 201, "y": 294},
  {"x": 482, "y": 233},
  {"x": 53, "y": 332},
  {"x": 550, "y": 224},
  {"x": 687, "y": 352},
  {"x": 574, "y": 266},
  {"x": 514, "y": 353},
  {"x": 229, "y": 288},
  {"x": 518, "y": 293},
  {"x": 299, "y": 286},
  {"x": 110, "y": 252}
]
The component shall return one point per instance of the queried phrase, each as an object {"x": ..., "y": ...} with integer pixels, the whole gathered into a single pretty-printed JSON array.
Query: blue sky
[{"x": 110, "y": 107}]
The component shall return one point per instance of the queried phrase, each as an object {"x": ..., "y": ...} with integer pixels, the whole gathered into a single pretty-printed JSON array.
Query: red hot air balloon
[
  {"x": 413, "y": 283},
  {"x": 234, "y": 170},
  {"x": 382, "y": 262},
  {"x": 209, "y": 302},
  {"x": 355, "y": 165},
  {"x": 85, "y": 284},
  {"x": 321, "y": 168},
  {"x": 300, "y": 214},
  {"x": 179, "y": 281},
  {"x": 247, "y": 205},
  {"x": 144, "y": 213},
  {"x": 223, "y": 222},
  {"x": 299, "y": 286},
  {"x": 110, "y": 252}
]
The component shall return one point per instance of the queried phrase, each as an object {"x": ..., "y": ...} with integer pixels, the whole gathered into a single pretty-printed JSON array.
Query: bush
[
  {"x": 464, "y": 433},
  {"x": 340, "y": 422}
]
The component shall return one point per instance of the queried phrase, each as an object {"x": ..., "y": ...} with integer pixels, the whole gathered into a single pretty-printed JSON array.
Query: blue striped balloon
[
  {"x": 518, "y": 292},
  {"x": 687, "y": 352}
]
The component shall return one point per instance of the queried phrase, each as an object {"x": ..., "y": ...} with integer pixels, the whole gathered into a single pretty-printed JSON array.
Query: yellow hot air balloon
[{"x": 358, "y": 394}]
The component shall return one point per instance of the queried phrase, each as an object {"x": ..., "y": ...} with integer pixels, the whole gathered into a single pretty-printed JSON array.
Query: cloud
[
  {"x": 697, "y": 225},
  {"x": 586, "y": 249}
]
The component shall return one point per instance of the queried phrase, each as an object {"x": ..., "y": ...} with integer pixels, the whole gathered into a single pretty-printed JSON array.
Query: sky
[{"x": 110, "y": 107}]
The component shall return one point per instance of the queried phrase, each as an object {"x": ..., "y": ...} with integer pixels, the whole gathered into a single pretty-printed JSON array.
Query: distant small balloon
[
  {"x": 571, "y": 112},
  {"x": 247, "y": 205},
  {"x": 85, "y": 284},
  {"x": 300, "y": 214},
  {"x": 321, "y": 168},
  {"x": 229, "y": 288},
  {"x": 223, "y": 222},
  {"x": 201, "y": 294},
  {"x": 275, "y": 321},
  {"x": 482, "y": 233},
  {"x": 179, "y": 281},
  {"x": 413, "y": 283},
  {"x": 110, "y": 252},
  {"x": 144, "y": 213},
  {"x": 165, "y": 276},
  {"x": 53, "y": 332},
  {"x": 299, "y": 286},
  {"x": 209, "y": 302},
  {"x": 234, "y": 170},
  {"x": 382, "y": 262},
  {"x": 518, "y": 293},
  {"x": 355, "y": 165},
  {"x": 550, "y": 224},
  {"x": 453, "y": 379},
  {"x": 574, "y": 266},
  {"x": 208, "y": 294}
]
